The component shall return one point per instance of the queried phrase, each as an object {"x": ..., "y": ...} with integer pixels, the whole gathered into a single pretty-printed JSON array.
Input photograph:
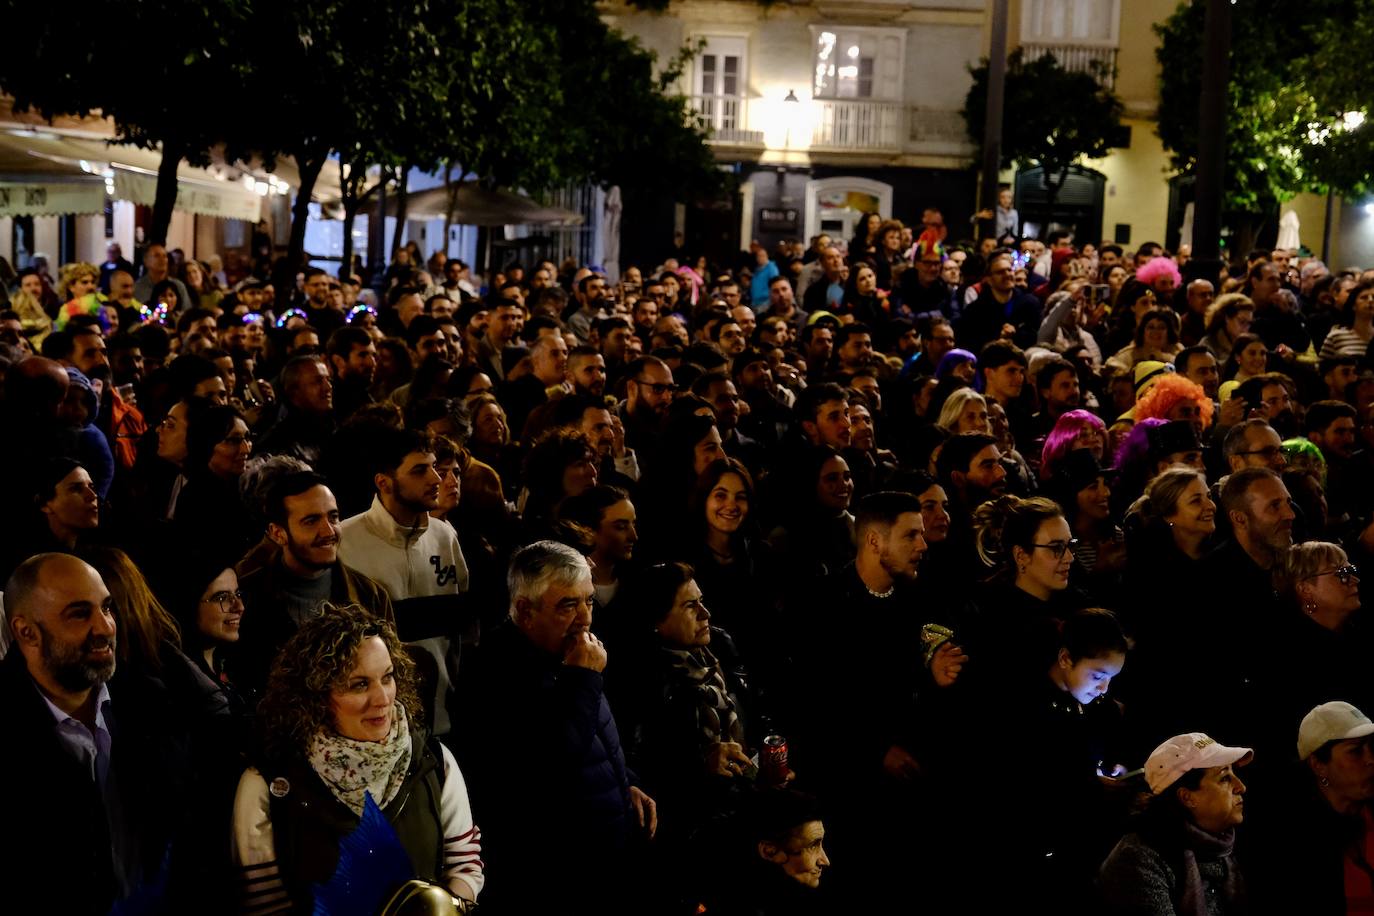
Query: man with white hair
[{"x": 543, "y": 752}]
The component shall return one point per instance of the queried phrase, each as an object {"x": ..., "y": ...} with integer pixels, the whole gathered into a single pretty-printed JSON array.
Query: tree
[
  {"x": 1054, "y": 117},
  {"x": 499, "y": 89},
  {"x": 62, "y": 69},
  {"x": 1297, "y": 120}
]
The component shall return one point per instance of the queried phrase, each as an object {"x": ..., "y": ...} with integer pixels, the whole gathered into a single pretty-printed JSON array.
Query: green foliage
[
  {"x": 1052, "y": 117},
  {"x": 1288, "y": 94},
  {"x": 521, "y": 93}
]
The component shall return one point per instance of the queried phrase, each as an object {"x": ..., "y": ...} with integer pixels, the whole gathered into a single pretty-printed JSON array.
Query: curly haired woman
[{"x": 340, "y": 723}]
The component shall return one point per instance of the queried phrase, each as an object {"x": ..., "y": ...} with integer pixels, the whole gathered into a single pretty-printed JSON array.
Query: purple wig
[
  {"x": 952, "y": 359},
  {"x": 1133, "y": 458}
]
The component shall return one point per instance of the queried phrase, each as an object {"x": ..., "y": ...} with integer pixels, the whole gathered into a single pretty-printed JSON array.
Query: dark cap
[
  {"x": 1078, "y": 469},
  {"x": 1172, "y": 437}
]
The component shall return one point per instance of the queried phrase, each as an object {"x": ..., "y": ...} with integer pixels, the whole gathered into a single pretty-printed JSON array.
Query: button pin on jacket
[{"x": 279, "y": 787}]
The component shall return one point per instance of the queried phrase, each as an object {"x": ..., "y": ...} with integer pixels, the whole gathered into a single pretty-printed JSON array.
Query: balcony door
[
  {"x": 718, "y": 85},
  {"x": 1087, "y": 23}
]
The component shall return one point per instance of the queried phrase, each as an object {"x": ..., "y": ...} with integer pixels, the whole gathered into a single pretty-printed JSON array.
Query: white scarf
[{"x": 352, "y": 768}]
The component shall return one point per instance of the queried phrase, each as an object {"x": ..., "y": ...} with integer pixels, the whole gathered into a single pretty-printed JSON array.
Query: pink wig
[
  {"x": 1065, "y": 433},
  {"x": 1168, "y": 391},
  {"x": 1159, "y": 267}
]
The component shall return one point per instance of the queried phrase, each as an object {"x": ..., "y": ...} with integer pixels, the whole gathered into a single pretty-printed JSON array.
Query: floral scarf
[{"x": 353, "y": 768}]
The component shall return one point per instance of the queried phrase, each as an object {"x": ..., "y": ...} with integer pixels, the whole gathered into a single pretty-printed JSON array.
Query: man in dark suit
[{"x": 95, "y": 773}]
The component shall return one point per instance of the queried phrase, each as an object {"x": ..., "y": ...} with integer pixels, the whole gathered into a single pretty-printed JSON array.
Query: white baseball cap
[
  {"x": 1193, "y": 751},
  {"x": 1334, "y": 721}
]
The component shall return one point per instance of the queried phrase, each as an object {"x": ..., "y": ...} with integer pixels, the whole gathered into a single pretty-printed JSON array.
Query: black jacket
[
  {"x": 71, "y": 828},
  {"x": 543, "y": 759}
]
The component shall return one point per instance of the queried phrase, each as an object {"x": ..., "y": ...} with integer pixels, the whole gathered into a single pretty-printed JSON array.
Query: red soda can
[{"x": 773, "y": 760}]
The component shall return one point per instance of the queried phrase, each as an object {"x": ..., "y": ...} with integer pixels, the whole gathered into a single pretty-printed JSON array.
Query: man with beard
[
  {"x": 719, "y": 391},
  {"x": 649, "y": 391},
  {"x": 414, "y": 557},
  {"x": 303, "y": 521},
  {"x": 353, "y": 361},
  {"x": 1056, "y": 382},
  {"x": 584, "y": 377},
  {"x": 98, "y": 770},
  {"x": 863, "y": 671},
  {"x": 591, "y": 299}
]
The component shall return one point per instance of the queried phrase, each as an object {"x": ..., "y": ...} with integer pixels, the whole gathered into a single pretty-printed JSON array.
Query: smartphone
[{"x": 1101, "y": 293}]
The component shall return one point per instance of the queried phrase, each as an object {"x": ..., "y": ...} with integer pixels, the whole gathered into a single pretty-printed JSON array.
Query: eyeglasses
[
  {"x": 224, "y": 599},
  {"x": 1057, "y": 548},
  {"x": 237, "y": 441},
  {"x": 657, "y": 387},
  {"x": 1270, "y": 452},
  {"x": 1343, "y": 573}
]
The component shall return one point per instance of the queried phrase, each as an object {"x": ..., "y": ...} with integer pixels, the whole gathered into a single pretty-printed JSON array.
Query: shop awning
[
  {"x": 478, "y": 206},
  {"x": 52, "y": 198},
  {"x": 73, "y": 175}
]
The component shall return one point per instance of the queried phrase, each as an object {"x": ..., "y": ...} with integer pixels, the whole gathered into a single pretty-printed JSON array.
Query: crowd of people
[{"x": 883, "y": 572}]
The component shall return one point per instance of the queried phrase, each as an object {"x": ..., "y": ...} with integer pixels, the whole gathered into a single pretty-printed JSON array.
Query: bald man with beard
[{"x": 99, "y": 769}]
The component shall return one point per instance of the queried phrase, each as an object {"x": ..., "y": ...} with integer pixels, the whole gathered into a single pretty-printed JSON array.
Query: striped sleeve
[
  {"x": 463, "y": 869},
  {"x": 261, "y": 889}
]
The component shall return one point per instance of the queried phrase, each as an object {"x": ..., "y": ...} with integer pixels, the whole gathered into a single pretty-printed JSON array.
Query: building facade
[{"x": 826, "y": 109}]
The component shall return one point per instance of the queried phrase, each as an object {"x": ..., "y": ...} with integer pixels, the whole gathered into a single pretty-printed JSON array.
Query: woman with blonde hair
[
  {"x": 964, "y": 411},
  {"x": 76, "y": 280},
  {"x": 1323, "y": 621}
]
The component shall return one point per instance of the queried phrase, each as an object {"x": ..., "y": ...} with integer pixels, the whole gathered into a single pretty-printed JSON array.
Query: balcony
[
  {"x": 858, "y": 126},
  {"x": 1099, "y": 60},
  {"x": 723, "y": 116}
]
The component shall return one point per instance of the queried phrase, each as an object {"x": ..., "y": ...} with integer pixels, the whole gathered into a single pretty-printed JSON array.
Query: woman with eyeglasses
[
  {"x": 203, "y": 595},
  {"x": 1323, "y": 622},
  {"x": 1010, "y": 632},
  {"x": 210, "y": 512},
  {"x": 1011, "y": 635},
  {"x": 1227, "y": 318}
]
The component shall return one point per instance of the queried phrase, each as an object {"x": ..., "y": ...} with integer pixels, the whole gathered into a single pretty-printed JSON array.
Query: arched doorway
[
  {"x": 1077, "y": 207},
  {"x": 835, "y": 205}
]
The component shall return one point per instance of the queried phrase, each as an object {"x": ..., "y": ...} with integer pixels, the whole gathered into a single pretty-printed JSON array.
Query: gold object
[{"x": 419, "y": 898}]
